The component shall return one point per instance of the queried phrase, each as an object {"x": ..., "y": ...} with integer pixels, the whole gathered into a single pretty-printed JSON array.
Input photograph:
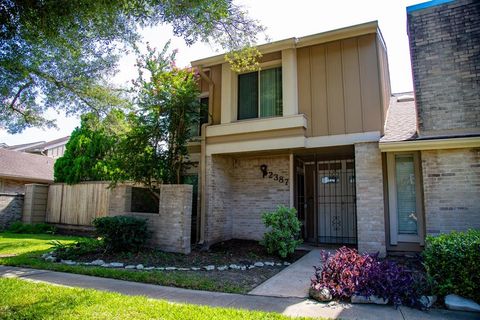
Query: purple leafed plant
[{"x": 347, "y": 272}]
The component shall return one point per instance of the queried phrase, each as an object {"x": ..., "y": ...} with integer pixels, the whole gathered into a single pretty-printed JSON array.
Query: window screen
[{"x": 406, "y": 195}]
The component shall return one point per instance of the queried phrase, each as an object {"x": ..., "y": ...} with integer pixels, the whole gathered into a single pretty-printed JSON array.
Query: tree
[
  {"x": 58, "y": 54},
  {"x": 155, "y": 149},
  {"x": 89, "y": 154}
]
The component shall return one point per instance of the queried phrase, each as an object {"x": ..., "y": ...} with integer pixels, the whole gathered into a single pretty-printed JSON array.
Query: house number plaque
[{"x": 272, "y": 175}]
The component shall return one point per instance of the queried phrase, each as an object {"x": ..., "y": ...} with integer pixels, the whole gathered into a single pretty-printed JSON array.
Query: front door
[
  {"x": 336, "y": 217},
  {"x": 329, "y": 201}
]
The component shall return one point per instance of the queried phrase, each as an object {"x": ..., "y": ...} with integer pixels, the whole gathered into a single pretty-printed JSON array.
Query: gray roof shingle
[
  {"x": 26, "y": 166},
  {"x": 401, "y": 122}
]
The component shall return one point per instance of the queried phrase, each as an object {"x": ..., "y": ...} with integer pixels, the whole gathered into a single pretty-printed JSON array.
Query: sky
[{"x": 283, "y": 19}]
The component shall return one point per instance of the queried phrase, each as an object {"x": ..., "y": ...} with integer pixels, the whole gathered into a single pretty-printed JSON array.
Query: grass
[
  {"x": 25, "y": 300},
  {"x": 29, "y": 248},
  {"x": 13, "y": 243}
]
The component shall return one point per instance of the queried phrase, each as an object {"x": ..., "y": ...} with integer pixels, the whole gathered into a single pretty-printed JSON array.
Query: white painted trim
[
  {"x": 257, "y": 145},
  {"x": 449, "y": 143},
  {"x": 289, "y": 82},
  {"x": 257, "y": 125},
  {"x": 227, "y": 94},
  {"x": 342, "y": 139}
]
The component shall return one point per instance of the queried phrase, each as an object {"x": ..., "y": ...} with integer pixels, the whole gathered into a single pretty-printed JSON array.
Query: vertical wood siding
[{"x": 343, "y": 86}]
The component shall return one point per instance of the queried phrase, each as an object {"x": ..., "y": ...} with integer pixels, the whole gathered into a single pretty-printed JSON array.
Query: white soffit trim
[
  {"x": 258, "y": 145},
  {"x": 449, "y": 143},
  {"x": 257, "y": 125},
  {"x": 342, "y": 139}
]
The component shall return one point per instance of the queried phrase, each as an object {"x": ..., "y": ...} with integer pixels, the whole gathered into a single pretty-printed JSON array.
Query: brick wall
[
  {"x": 451, "y": 185},
  {"x": 11, "y": 207},
  {"x": 370, "y": 205},
  {"x": 252, "y": 194},
  {"x": 218, "y": 216},
  {"x": 445, "y": 52},
  {"x": 171, "y": 226}
]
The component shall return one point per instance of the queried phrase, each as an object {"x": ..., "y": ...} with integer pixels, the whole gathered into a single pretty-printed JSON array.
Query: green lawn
[
  {"x": 25, "y": 300},
  {"x": 29, "y": 248},
  {"x": 12, "y": 243}
]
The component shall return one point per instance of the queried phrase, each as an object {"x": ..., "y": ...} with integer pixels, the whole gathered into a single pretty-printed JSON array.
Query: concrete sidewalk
[
  {"x": 287, "y": 306},
  {"x": 293, "y": 281}
]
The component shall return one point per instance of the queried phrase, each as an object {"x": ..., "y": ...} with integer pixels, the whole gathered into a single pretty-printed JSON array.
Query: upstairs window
[{"x": 260, "y": 94}]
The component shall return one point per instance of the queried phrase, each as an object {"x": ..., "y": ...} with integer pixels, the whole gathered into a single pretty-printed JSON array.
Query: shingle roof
[
  {"x": 401, "y": 122},
  {"x": 39, "y": 146},
  {"x": 27, "y": 166}
]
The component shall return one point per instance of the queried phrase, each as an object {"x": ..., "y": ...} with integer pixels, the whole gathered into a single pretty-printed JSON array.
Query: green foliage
[
  {"x": 77, "y": 249},
  {"x": 89, "y": 154},
  {"x": 20, "y": 227},
  {"x": 122, "y": 233},
  {"x": 283, "y": 231},
  {"x": 155, "y": 149},
  {"x": 59, "y": 55},
  {"x": 452, "y": 261}
]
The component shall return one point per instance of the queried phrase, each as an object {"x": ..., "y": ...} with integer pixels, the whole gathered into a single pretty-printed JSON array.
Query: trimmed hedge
[
  {"x": 452, "y": 261},
  {"x": 122, "y": 233},
  {"x": 20, "y": 227}
]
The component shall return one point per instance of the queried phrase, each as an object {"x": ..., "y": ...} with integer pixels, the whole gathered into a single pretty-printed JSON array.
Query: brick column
[{"x": 370, "y": 206}]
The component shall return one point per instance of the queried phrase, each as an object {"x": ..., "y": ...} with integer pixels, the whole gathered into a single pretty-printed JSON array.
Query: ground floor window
[{"x": 405, "y": 197}]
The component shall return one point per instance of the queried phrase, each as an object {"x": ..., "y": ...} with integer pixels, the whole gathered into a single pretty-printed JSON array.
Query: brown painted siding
[
  {"x": 384, "y": 76},
  {"x": 216, "y": 77},
  {"x": 340, "y": 88}
]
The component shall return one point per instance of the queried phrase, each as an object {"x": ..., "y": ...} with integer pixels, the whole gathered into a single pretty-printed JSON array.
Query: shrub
[
  {"x": 348, "y": 273},
  {"x": 283, "y": 232},
  {"x": 20, "y": 227},
  {"x": 122, "y": 233},
  {"x": 452, "y": 261},
  {"x": 78, "y": 248}
]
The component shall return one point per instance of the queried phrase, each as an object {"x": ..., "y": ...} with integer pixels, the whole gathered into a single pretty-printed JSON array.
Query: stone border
[{"x": 50, "y": 257}]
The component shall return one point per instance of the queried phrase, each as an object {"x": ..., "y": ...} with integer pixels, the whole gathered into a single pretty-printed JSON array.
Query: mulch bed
[{"x": 239, "y": 252}]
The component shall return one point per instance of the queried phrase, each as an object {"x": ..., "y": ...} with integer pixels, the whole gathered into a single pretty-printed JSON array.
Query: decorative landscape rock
[
  {"x": 97, "y": 262},
  {"x": 195, "y": 268},
  {"x": 222, "y": 268},
  {"x": 139, "y": 267},
  {"x": 370, "y": 299},
  {"x": 160, "y": 268},
  {"x": 251, "y": 267},
  {"x": 286, "y": 263},
  {"x": 427, "y": 301},
  {"x": 258, "y": 264},
  {"x": 322, "y": 295},
  {"x": 68, "y": 262},
  {"x": 454, "y": 302},
  {"x": 130, "y": 267},
  {"x": 270, "y": 264},
  {"x": 116, "y": 264},
  {"x": 209, "y": 268},
  {"x": 183, "y": 269},
  {"x": 148, "y": 268},
  {"x": 50, "y": 259}
]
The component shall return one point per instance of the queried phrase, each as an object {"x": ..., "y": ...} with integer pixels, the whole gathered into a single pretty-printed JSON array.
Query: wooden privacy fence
[{"x": 77, "y": 204}]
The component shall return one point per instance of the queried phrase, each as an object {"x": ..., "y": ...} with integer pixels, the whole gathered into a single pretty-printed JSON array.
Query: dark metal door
[{"x": 336, "y": 202}]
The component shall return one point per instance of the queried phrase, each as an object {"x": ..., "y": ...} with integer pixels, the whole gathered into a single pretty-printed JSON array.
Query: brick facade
[
  {"x": 238, "y": 194},
  {"x": 171, "y": 225},
  {"x": 252, "y": 194},
  {"x": 370, "y": 205},
  {"x": 11, "y": 207},
  {"x": 451, "y": 185},
  {"x": 445, "y": 54}
]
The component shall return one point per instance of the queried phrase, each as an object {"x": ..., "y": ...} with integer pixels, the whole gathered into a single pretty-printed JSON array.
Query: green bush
[
  {"x": 283, "y": 230},
  {"x": 452, "y": 262},
  {"x": 122, "y": 233},
  {"x": 78, "y": 248},
  {"x": 20, "y": 227}
]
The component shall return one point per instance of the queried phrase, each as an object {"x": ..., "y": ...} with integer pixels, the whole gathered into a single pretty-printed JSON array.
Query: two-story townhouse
[{"x": 316, "y": 128}]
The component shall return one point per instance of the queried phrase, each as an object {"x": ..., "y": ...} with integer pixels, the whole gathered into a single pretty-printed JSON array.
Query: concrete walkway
[
  {"x": 293, "y": 281},
  {"x": 287, "y": 306}
]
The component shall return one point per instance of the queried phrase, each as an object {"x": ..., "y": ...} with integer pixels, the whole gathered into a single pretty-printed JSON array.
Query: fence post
[{"x": 35, "y": 204}]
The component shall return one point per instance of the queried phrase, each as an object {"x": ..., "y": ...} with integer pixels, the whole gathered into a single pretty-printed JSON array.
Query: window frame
[
  {"x": 264, "y": 66},
  {"x": 395, "y": 237}
]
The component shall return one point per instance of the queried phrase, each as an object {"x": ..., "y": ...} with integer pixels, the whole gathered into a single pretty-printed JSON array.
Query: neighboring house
[
  {"x": 20, "y": 168},
  {"x": 318, "y": 129},
  {"x": 53, "y": 149}
]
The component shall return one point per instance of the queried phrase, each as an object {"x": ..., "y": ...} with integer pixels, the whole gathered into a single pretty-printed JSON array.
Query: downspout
[{"x": 203, "y": 157}]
